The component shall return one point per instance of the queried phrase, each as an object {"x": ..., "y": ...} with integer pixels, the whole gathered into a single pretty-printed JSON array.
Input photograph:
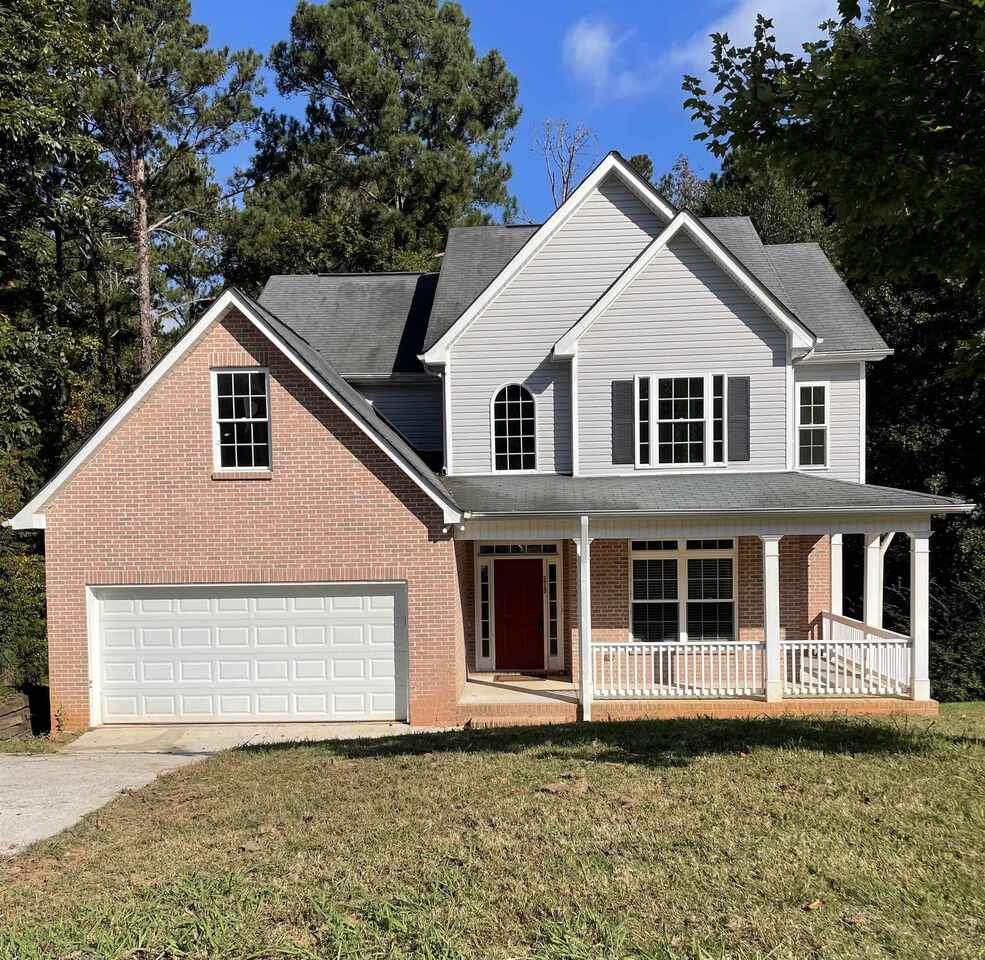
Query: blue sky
[{"x": 614, "y": 66}]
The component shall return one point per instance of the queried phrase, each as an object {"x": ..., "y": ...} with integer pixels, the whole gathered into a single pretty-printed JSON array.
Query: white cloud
[
  {"x": 794, "y": 22},
  {"x": 591, "y": 52}
]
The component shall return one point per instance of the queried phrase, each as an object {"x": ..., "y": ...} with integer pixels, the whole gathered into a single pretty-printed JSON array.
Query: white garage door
[{"x": 257, "y": 653}]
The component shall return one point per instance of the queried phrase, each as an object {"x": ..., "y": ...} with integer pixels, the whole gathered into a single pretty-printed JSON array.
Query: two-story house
[{"x": 600, "y": 466}]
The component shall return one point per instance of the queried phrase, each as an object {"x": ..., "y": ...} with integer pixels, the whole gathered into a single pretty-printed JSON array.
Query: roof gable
[
  {"x": 304, "y": 357},
  {"x": 612, "y": 164},
  {"x": 801, "y": 336}
]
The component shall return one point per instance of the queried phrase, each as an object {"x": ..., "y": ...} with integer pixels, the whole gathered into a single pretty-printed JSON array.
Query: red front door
[{"x": 519, "y": 614}]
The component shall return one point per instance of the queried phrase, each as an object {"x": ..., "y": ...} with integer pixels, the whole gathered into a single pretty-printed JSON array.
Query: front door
[{"x": 519, "y": 614}]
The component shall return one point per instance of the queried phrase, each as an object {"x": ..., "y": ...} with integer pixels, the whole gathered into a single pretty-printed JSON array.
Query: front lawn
[{"x": 665, "y": 839}]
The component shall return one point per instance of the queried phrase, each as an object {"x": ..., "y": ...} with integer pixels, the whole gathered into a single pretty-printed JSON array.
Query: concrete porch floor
[{"x": 482, "y": 688}]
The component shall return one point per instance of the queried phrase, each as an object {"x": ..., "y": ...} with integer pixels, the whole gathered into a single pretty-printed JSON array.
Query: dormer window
[
  {"x": 241, "y": 415},
  {"x": 514, "y": 429}
]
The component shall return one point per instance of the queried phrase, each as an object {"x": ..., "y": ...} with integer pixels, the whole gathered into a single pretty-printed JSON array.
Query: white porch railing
[
  {"x": 675, "y": 669},
  {"x": 849, "y": 658}
]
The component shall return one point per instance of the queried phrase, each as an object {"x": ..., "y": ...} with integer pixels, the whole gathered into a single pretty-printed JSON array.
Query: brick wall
[
  {"x": 805, "y": 585},
  {"x": 145, "y": 509}
]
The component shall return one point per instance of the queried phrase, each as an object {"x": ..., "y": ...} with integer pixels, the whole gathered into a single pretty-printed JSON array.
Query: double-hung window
[
  {"x": 683, "y": 590},
  {"x": 680, "y": 420},
  {"x": 812, "y": 425},
  {"x": 242, "y": 419}
]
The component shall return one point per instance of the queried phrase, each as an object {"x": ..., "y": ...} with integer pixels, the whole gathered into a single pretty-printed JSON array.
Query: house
[{"x": 618, "y": 452}]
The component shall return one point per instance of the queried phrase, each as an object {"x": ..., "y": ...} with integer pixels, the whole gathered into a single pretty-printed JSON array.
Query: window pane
[
  {"x": 241, "y": 384},
  {"x": 709, "y": 579},
  {"x": 654, "y": 579},
  {"x": 257, "y": 385},
  {"x": 227, "y": 456},
  {"x": 261, "y": 456},
  {"x": 710, "y": 621},
  {"x": 655, "y": 622},
  {"x": 225, "y": 408},
  {"x": 227, "y": 433},
  {"x": 241, "y": 407},
  {"x": 244, "y": 456}
]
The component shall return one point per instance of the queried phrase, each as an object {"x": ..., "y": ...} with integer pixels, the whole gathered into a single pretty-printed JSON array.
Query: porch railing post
[
  {"x": 920, "y": 614},
  {"x": 771, "y": 616},
  {"x": 586, "y": 664}
]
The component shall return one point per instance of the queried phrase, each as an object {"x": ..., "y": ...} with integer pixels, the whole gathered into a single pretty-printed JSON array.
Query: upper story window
[
  {"x": 680, "y": 420},
  {"x": 514, "y": 429},
  {"x": 241, "y": 411},
  {"x": 812, "y": 425}
]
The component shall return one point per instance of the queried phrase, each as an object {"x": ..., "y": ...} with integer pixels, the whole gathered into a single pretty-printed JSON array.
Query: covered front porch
[{"x": 727, "y": 613}]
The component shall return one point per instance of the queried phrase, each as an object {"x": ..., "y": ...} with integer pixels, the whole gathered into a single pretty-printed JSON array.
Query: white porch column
[
  {"x": 771, "y": 616},
  {"x": 920, "y": 612},
  {"x": 586, "y": 680},
  {"x": 872, "y": 607},
  {"x": 837, "y": 572}
]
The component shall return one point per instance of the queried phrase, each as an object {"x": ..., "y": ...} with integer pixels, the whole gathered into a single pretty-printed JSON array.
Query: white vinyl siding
[
  {"x": 844, "y": 427},
  {"x": 511, "y": 340},
  {"x": 683, "y": 316},
  {"x": 413, "y": 408}
]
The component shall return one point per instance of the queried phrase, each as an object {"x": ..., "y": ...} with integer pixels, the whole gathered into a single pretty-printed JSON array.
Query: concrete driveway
[{"x": 41, "y": 795}]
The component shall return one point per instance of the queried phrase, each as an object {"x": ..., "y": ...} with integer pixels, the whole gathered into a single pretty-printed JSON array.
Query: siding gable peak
[
  {"x": 801, "y": 337},
  {"x": 611, "y": 165}
]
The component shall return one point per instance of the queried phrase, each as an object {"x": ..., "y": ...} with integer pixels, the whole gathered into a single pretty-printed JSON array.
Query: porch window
[
  {"x": 514, "y": 429},
  {"x": 812, "y": 425},
  {"x": 683, "y": 590},
  {"x": 710, "y": 604},
  {"x": 552, "y": 610},
  {"x": 655, "y": 600},
  {"x": 516, "y": 549}
]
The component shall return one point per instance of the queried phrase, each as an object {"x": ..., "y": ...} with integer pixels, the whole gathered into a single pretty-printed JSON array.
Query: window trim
[
  {"x": 492, "y": 429},
  {"x": 217, "y": 466},
  {"x": 826, "y": 386},
  {"x": 682, "y": 554},
  {"x": 707, "y": 396}
]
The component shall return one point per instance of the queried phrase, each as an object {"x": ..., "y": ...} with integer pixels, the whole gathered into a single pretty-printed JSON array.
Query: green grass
[{"x": 690, "y": 839}]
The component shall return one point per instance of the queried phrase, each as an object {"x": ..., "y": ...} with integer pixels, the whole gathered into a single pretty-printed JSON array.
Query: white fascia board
[
  {"x": 31, "y": 517},
  {"x": 611, "y": 163},
  {"x": 929, "y": 511},
  {"x": 848, "y": 356},
  {"x": 800, "y": 337}
]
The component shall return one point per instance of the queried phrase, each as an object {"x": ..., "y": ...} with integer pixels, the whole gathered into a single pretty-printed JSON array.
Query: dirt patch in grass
[{"x": 784, "y": 838}]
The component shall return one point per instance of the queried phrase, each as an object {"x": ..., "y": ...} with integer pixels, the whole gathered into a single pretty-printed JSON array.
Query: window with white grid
[
  {"x": 242, "y": 418},
  {"x": 812, "y": 432},
  {"x": 514, "y": 429}
]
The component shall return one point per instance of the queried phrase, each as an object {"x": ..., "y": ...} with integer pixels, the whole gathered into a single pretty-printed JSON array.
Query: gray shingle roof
[
  {"x": 820, "y": 298},
  {"x": 369, "y": 324},
  {"x": 351, "y": 398},
  {"x": 805, "y": 281},
  {"x": 683, "y": 494},
  {"x": 473, "y": 258}
]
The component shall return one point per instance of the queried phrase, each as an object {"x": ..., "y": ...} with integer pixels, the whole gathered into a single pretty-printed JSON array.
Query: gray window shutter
[
  {"x": 623, "y": 428},
  {"x": 738, "y": 419}
]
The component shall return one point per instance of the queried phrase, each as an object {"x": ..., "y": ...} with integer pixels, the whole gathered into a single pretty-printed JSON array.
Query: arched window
[{"x": 514, "y": 429}]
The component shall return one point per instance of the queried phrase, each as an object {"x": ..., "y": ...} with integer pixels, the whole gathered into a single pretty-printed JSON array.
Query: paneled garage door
[{"x": 255, "y": 653}]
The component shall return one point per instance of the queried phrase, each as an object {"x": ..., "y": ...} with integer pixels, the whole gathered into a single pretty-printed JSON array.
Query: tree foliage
[
  {"x": 883, "y": 117},
  {"x": 403, "y": 136},
  {"x": 847, "y": 146}
]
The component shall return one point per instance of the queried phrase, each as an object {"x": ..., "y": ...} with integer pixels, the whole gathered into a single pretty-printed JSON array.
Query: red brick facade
[{"x": 146, "y": 509}]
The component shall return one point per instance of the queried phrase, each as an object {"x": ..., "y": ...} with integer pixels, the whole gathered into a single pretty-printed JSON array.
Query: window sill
[{"x": 242, "y": 475}]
